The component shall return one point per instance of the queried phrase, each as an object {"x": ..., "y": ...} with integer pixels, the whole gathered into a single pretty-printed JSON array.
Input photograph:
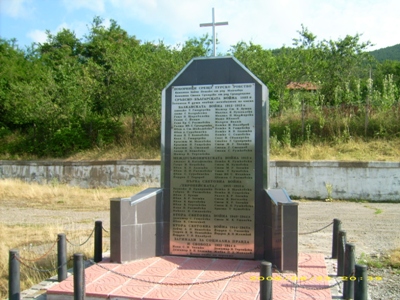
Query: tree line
[{"x": 70, "y": 94}]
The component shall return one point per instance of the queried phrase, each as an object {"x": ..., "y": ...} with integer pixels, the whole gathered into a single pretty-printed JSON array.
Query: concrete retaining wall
[
  {"x": 305, "y": 179},
  {"x": 84, "y": 173},
  {"x": 348, "y": 180}
]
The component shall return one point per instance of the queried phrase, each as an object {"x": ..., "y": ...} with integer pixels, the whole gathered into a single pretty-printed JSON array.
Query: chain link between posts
[
  {"x": 43, "y": 256},
  {"x": 79, "y": 245},
  {"x": 174, "y": 284},
  {"x": 304, "y": 233},
  {"x": 41, "y": 270},
  {"x": 21, "y": 260},
  {"x": 24, "y": 260}
]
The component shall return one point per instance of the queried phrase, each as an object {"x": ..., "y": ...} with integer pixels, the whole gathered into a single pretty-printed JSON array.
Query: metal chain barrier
[
  {"x": 325, "y": 287},
  {"x": 304, "y": 233},
  {"x": 174, "y": 284},
  {"x": 105, "y": 230},
  {"x": 41, "y": 270},
  {"x": 79, "y": 245},
  {"x": 43, "y": 256}
]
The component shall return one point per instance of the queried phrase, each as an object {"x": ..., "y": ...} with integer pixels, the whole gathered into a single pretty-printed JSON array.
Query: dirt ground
[{"x": 374, "y": 229}]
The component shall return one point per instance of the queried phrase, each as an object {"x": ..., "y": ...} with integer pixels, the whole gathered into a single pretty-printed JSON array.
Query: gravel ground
[{"x": 372, "y": 227}]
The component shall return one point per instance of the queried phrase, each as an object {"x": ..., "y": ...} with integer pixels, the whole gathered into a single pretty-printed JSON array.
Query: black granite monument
[{"x": 214, "y": 199}]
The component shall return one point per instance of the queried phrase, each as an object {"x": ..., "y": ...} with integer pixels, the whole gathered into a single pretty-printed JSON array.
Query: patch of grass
[
  {"x": 377, "y": 211},
  {"x": 387, "y": 260},
  {"x": 60, "y": 196},
  {"x": 353, "y": 150},
  {"x": 126, "y": 150}
]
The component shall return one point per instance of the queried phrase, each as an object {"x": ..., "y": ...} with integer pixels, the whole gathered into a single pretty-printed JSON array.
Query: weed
[
  {"x": 274, "y": 143},
  {"x": 329, "y": 190},
  {"x": 286, "y": 138},
  {"x": 308, "y": 133}
]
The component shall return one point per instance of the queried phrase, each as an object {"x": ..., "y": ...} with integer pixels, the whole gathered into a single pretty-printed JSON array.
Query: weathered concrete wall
[
  {"x": 306, "y": 179},
  {"x": 84, "y": 173},
  {"x": 349, "y": 180}
]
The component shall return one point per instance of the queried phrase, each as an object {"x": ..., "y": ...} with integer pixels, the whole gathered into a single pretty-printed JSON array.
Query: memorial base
[
  {"x": 138, "y": 229},
  {"x": 281, "y": 239},
  {"x": 137, "y": 226},
  {"x": 199, "y": 277}
]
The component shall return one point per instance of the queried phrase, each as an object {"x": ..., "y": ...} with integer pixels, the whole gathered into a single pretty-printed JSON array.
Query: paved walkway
[{"x": 103, "y": 282}]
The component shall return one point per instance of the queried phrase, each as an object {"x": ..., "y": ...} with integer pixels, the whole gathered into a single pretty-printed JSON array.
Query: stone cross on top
[{"x": 213, "y": 24}]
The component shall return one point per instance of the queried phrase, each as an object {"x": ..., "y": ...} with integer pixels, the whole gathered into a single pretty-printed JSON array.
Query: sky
[{"x": 271, "y": 24}]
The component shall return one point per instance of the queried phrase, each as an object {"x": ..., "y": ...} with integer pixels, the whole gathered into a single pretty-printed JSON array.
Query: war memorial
[
  {"x": 214, "y": 199},
  {"x": 205, "y": 231}
]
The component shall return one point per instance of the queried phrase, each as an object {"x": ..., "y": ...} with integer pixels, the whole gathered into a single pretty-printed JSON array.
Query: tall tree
[
  {"x": 13, "y": 69},
  {"x": 343, "y": 61}
]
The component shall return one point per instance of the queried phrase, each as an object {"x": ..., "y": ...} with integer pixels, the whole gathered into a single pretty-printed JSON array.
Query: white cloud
[
  {"x": 97, "y": 6},
  {"x": 179, "y": 19},
  {"x": 40, "y": 36},
  {"x": 37, "y": 36},
  {"x": 269, "y": 23},
  {"x": 16, "y": 8}
]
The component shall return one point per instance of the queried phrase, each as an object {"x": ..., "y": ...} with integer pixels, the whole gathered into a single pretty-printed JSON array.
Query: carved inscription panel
[{"x": 212, "y": 170}]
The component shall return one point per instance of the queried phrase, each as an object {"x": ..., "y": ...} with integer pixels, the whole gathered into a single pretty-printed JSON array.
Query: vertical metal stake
[
  {"x": 361, "y": 288},
  {"x": 336, "y": 228},
  {"x": 61, "y": 257},
  {"x": 98, "y": 241},
  {"x": 79, "y": 277},
  {"x": 14, "y": 289},
  {"x": 341, "y": 252},
  {"x": 266, "y": 284},
  {"x": 349, "y": 269}
]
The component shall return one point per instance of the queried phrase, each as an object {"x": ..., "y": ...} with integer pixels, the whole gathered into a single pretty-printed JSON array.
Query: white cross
[{"x": 213, "y": 24}]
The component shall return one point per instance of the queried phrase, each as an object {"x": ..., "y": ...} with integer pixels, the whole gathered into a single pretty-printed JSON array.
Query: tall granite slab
[
  {"x": 215, "y": 159},
  {"x": 214, "y": 199}
]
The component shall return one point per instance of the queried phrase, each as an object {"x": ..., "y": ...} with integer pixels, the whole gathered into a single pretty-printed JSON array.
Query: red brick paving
[{"x": 102, "y": 284}]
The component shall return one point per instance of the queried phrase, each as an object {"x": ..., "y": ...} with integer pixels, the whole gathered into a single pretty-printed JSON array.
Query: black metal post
[
  {"x": 361, "y": 288},
  {"x": 349, "y": 269},
  {"x": 98, "y": 241},
  {"x": 79, "y": 277},
  {"x": 62, "y": 257},
  {"x": 266, "y": 283},
  {"x": 336, "y": 228},
  {"x": 341, "y": 252},
  {"x": 14, "y": 289}
]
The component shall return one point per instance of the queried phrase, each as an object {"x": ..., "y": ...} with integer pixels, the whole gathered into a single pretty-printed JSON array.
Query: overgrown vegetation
[
  {"x": 71, "y": 95},
  {"x": 388, "y": 260}
]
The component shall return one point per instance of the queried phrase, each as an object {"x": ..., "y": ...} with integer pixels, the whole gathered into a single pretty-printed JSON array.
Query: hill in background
[{"x": 388, "y": 53}]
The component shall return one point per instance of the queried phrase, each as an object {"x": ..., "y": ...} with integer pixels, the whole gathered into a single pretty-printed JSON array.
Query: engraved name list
[{"x": 212, "y": 173}]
